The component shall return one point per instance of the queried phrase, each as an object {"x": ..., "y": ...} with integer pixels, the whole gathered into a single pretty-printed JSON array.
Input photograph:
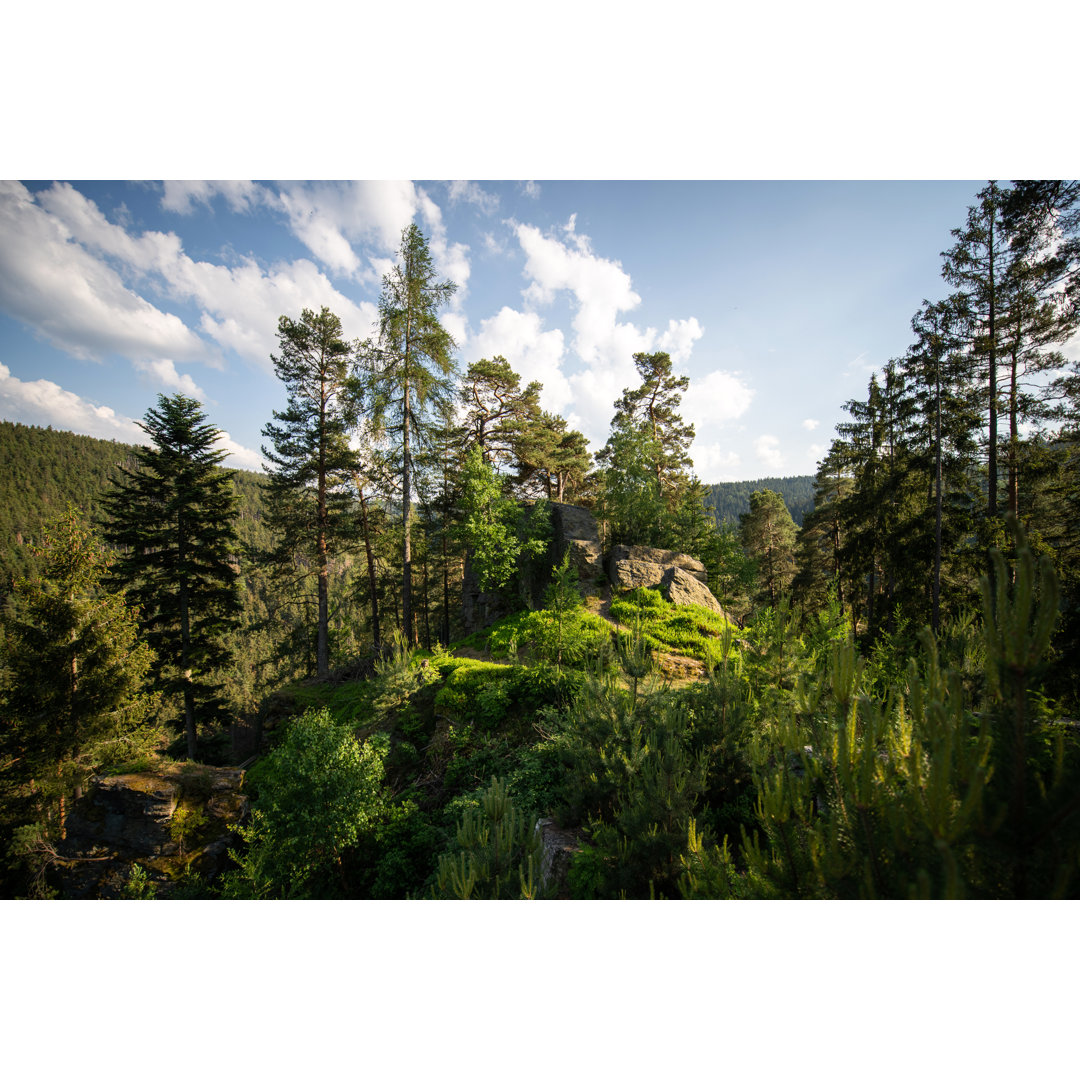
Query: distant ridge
[
  {"x": 42, "y": 469},
  {"x": 730, "y": 499}
]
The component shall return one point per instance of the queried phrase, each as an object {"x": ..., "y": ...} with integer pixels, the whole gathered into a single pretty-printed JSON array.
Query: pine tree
[
  {"x": 313, "y": 465},
  {"x": 409, "y": 373},
  {"x": 497, "y": 409},
  {"x": 174, "y": 522},
  {"x": 768, "y": 534},
  {"x": 653, "y": 407}
]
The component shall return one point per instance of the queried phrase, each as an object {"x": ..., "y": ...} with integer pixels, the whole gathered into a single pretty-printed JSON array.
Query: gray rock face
[
  {"x": 123, "y": 820},
  {"x": 131, "y": 812},
  {"x": 682, "y": 588},
  {"x": 575, "y": 530},
  {"x": 637, "y": 567},
  {"x": 559, "y": 846}
]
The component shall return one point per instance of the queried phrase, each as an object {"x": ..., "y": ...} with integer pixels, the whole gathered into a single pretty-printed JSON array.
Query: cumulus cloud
[
  {"x": 767, "y": 448},
  {"x": 716, "y": 399},
  {"x": 240, "y": 304},
  {"x": 714, "y": 464},
  {"x": 328, "y": 217},
  {"x": 534, "y": 353},
  {"x": 600, "y": 291},
  {"x": 810, "y": 424},
  {"x": 239, "y": 456},
  {"x": 531, "y": 189},
  {"x": 163, "y": 373},
  {"x": 180, "y": 196},
  {"x": 42, "y": 402},
  {"x": 471, "y": 192},
  {"x": 71, "y": 298}
]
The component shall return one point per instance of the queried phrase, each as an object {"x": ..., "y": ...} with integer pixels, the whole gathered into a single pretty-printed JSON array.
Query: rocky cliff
[{"x": 163, "y": 820}]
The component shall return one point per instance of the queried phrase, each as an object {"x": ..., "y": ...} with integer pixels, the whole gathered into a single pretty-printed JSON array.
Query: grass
[{"x": 690, "y": 630}]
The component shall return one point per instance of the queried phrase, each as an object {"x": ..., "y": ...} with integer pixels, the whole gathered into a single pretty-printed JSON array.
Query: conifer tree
[
  {"x": 410, "y": 372},
  {"x": 174, "y": 521},
  {"x": 653, "y": 406},
  {"x": 552, "y": 459},
  {"x": 312, "y": 464},
  {"x": 974, "y": 266},
  {"x": 497, "y": 409},
  {"x": 768, "y": 534},
  {"x": 75, "y": 667}
]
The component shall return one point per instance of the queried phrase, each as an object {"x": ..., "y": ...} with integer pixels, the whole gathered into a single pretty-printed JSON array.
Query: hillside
[
  {"x": 41, "y": 470},
  {"x": 730, "y": 499}
]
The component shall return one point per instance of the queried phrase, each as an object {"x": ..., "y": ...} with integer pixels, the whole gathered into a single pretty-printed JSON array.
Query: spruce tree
[
  {"x": 173, "y": 519},
  {"x": 409, "y": 374},
  {"x": 313, "y": 465}
]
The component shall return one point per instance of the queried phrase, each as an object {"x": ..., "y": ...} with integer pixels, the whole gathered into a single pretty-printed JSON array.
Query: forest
[{"x": 882, "y": 704}]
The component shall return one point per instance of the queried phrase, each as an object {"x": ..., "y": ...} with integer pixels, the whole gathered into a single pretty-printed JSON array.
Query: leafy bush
[{"x": 318, "y": 793}]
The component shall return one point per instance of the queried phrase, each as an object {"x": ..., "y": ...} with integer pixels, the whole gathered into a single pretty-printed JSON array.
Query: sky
[{"x": 777, "y": 299}]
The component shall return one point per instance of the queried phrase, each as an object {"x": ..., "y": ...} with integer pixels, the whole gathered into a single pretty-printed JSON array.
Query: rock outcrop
[
  {"x": 637, "y": 567},
  {"x": 681, "y": 578},
  {"x": 573, "y": 529},
  {"x": 681, "y": 588},
  {"x": 124, "y": 820}
]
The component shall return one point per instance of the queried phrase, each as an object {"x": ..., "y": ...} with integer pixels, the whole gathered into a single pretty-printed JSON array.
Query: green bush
[{"x": 319, "y": 791}]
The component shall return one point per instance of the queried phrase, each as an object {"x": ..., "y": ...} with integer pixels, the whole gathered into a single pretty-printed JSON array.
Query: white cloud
[
  {"x": 241, "y": 304},
  {"x": 767, "y": 448},
  {"x": 678, "y": 339},
  {"x": 534, "y": 353},
  {"x": 810, "y": 424},
  {"x": 814, "y": 453},
  {"x": 531, "y": 189},
  {"x": 716, "y": 400},
  {"x": 239, "y": 456},
  {"x": 163, "y": 372},
  {"x": 713, "y": 464},
  {"x": 74, "y": 300},
  {"x": 600, "y": 291},
  {"x": 180, "y": 195},
  {"x": 42, "y": 402},
  {"x": 471, "y": 192},
  {"x": 328, "y": 217}
]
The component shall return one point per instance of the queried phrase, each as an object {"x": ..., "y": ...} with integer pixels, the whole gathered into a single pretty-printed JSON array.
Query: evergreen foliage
[
  {"x": 312, "y": 461},
  {"x": 409, "y": 377},
  {"x": 173, "y": 520}
]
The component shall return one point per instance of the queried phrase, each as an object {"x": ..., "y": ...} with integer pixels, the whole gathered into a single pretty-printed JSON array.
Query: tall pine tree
[
  {"x": 313, "y": 465},
  {"x": 410, "y": 372}
]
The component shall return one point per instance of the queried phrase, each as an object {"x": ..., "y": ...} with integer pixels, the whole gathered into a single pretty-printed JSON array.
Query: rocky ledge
[{"x": 164, "y": 820}]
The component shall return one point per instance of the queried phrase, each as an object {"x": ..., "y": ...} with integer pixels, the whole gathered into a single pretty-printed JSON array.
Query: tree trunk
[
  {"x": 372, "y": 579},
  {"x": 406, "y": 547},
  {"x": 993, "y": 433}
]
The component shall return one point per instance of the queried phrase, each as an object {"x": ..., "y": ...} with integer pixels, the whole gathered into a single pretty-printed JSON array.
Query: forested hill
[
  {"x": 731, "y": 499},
  {"x": 41, "y": 470}
]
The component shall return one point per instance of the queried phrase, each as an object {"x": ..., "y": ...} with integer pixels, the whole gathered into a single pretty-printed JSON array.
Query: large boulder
[
  {"x": 638, "y": 567},
  {"x": 682, "y": 588}
]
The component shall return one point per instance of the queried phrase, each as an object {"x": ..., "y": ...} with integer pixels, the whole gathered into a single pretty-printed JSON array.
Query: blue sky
[{"x": 778, "y": 299}]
